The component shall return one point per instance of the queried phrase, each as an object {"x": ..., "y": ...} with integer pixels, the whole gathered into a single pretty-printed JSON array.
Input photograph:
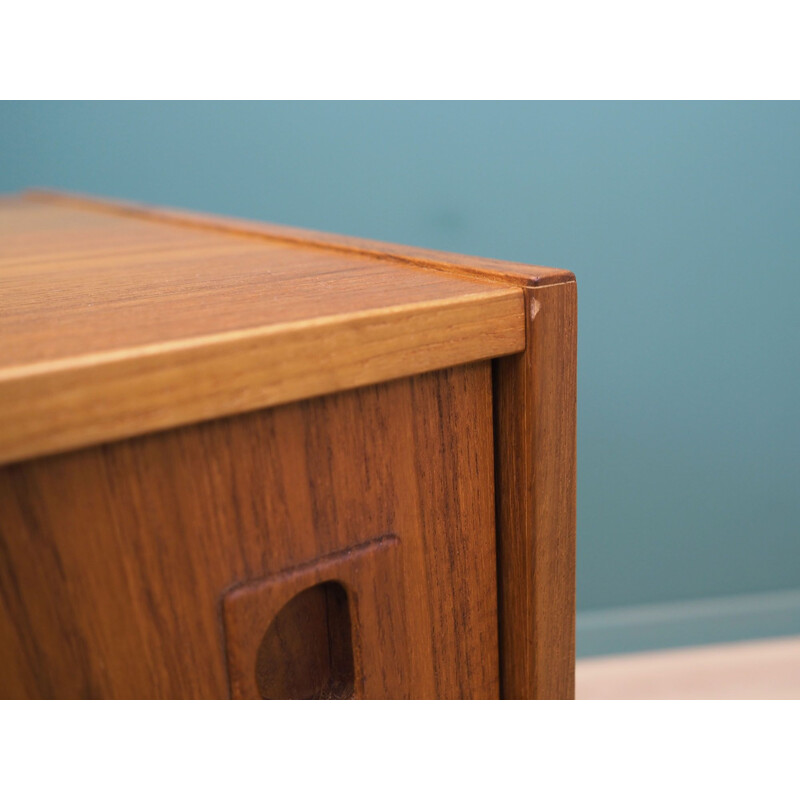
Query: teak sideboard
[{"x": 246, "y": 460}]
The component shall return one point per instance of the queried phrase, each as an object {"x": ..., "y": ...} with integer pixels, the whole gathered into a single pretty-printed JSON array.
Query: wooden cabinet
[{"x": 244, "y": 460}]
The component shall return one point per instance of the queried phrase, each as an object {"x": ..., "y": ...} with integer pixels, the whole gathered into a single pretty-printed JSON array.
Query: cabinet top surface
[
  {"x": 77, "y": 281},
  {"x": 117, "y": 319}
]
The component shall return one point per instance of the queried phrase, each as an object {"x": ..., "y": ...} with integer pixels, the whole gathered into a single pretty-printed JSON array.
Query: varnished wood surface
[
  {"x": 113, "y": 325},
  {"x": 535, "y": 433},
  {"x": 506, "y": 272},
  {"x": 365, "y": 655},
  {"x": 114, "y": 559},
  {"x": 231, "y": 273}
]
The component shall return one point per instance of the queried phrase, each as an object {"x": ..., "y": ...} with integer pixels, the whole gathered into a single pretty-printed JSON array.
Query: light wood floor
[{"x": 767, "y": 669}]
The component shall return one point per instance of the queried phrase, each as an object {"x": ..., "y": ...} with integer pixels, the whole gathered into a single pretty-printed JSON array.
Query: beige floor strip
[{"x": 767, "y": 669}]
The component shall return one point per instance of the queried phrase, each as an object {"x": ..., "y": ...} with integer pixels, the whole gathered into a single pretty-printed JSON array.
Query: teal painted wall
[{"x": 681, "y": 220}]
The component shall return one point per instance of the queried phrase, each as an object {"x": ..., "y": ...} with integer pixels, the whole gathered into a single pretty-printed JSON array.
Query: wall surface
[{"x": 682, "y": 223}]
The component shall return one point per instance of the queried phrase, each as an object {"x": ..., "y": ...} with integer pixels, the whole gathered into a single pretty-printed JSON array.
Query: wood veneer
[
  {"x": 535, "y": 430},
  {"x": 118, "y": 321},
  {"x": 114, "y": 326},
  {"x": 115, "y": 558}
]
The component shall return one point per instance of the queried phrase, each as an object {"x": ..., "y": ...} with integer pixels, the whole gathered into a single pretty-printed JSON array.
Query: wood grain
[
  {"x": 375, "y": 646},
  {"x": 535, "y": 436},
  {"x": 507, "y": 272},
  {"x": 113, "y": 326},
  {"x": 122, "y": 319},
  {"x": 114, "y": 559}
]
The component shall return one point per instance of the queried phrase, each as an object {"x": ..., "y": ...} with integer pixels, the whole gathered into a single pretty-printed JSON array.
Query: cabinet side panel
[
  {"x": 535, "y": 427},
  {"x": 114, "y": 559}
]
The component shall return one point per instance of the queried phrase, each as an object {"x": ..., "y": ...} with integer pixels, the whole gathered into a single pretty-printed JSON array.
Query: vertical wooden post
[{"x": 535, "y": 445}]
